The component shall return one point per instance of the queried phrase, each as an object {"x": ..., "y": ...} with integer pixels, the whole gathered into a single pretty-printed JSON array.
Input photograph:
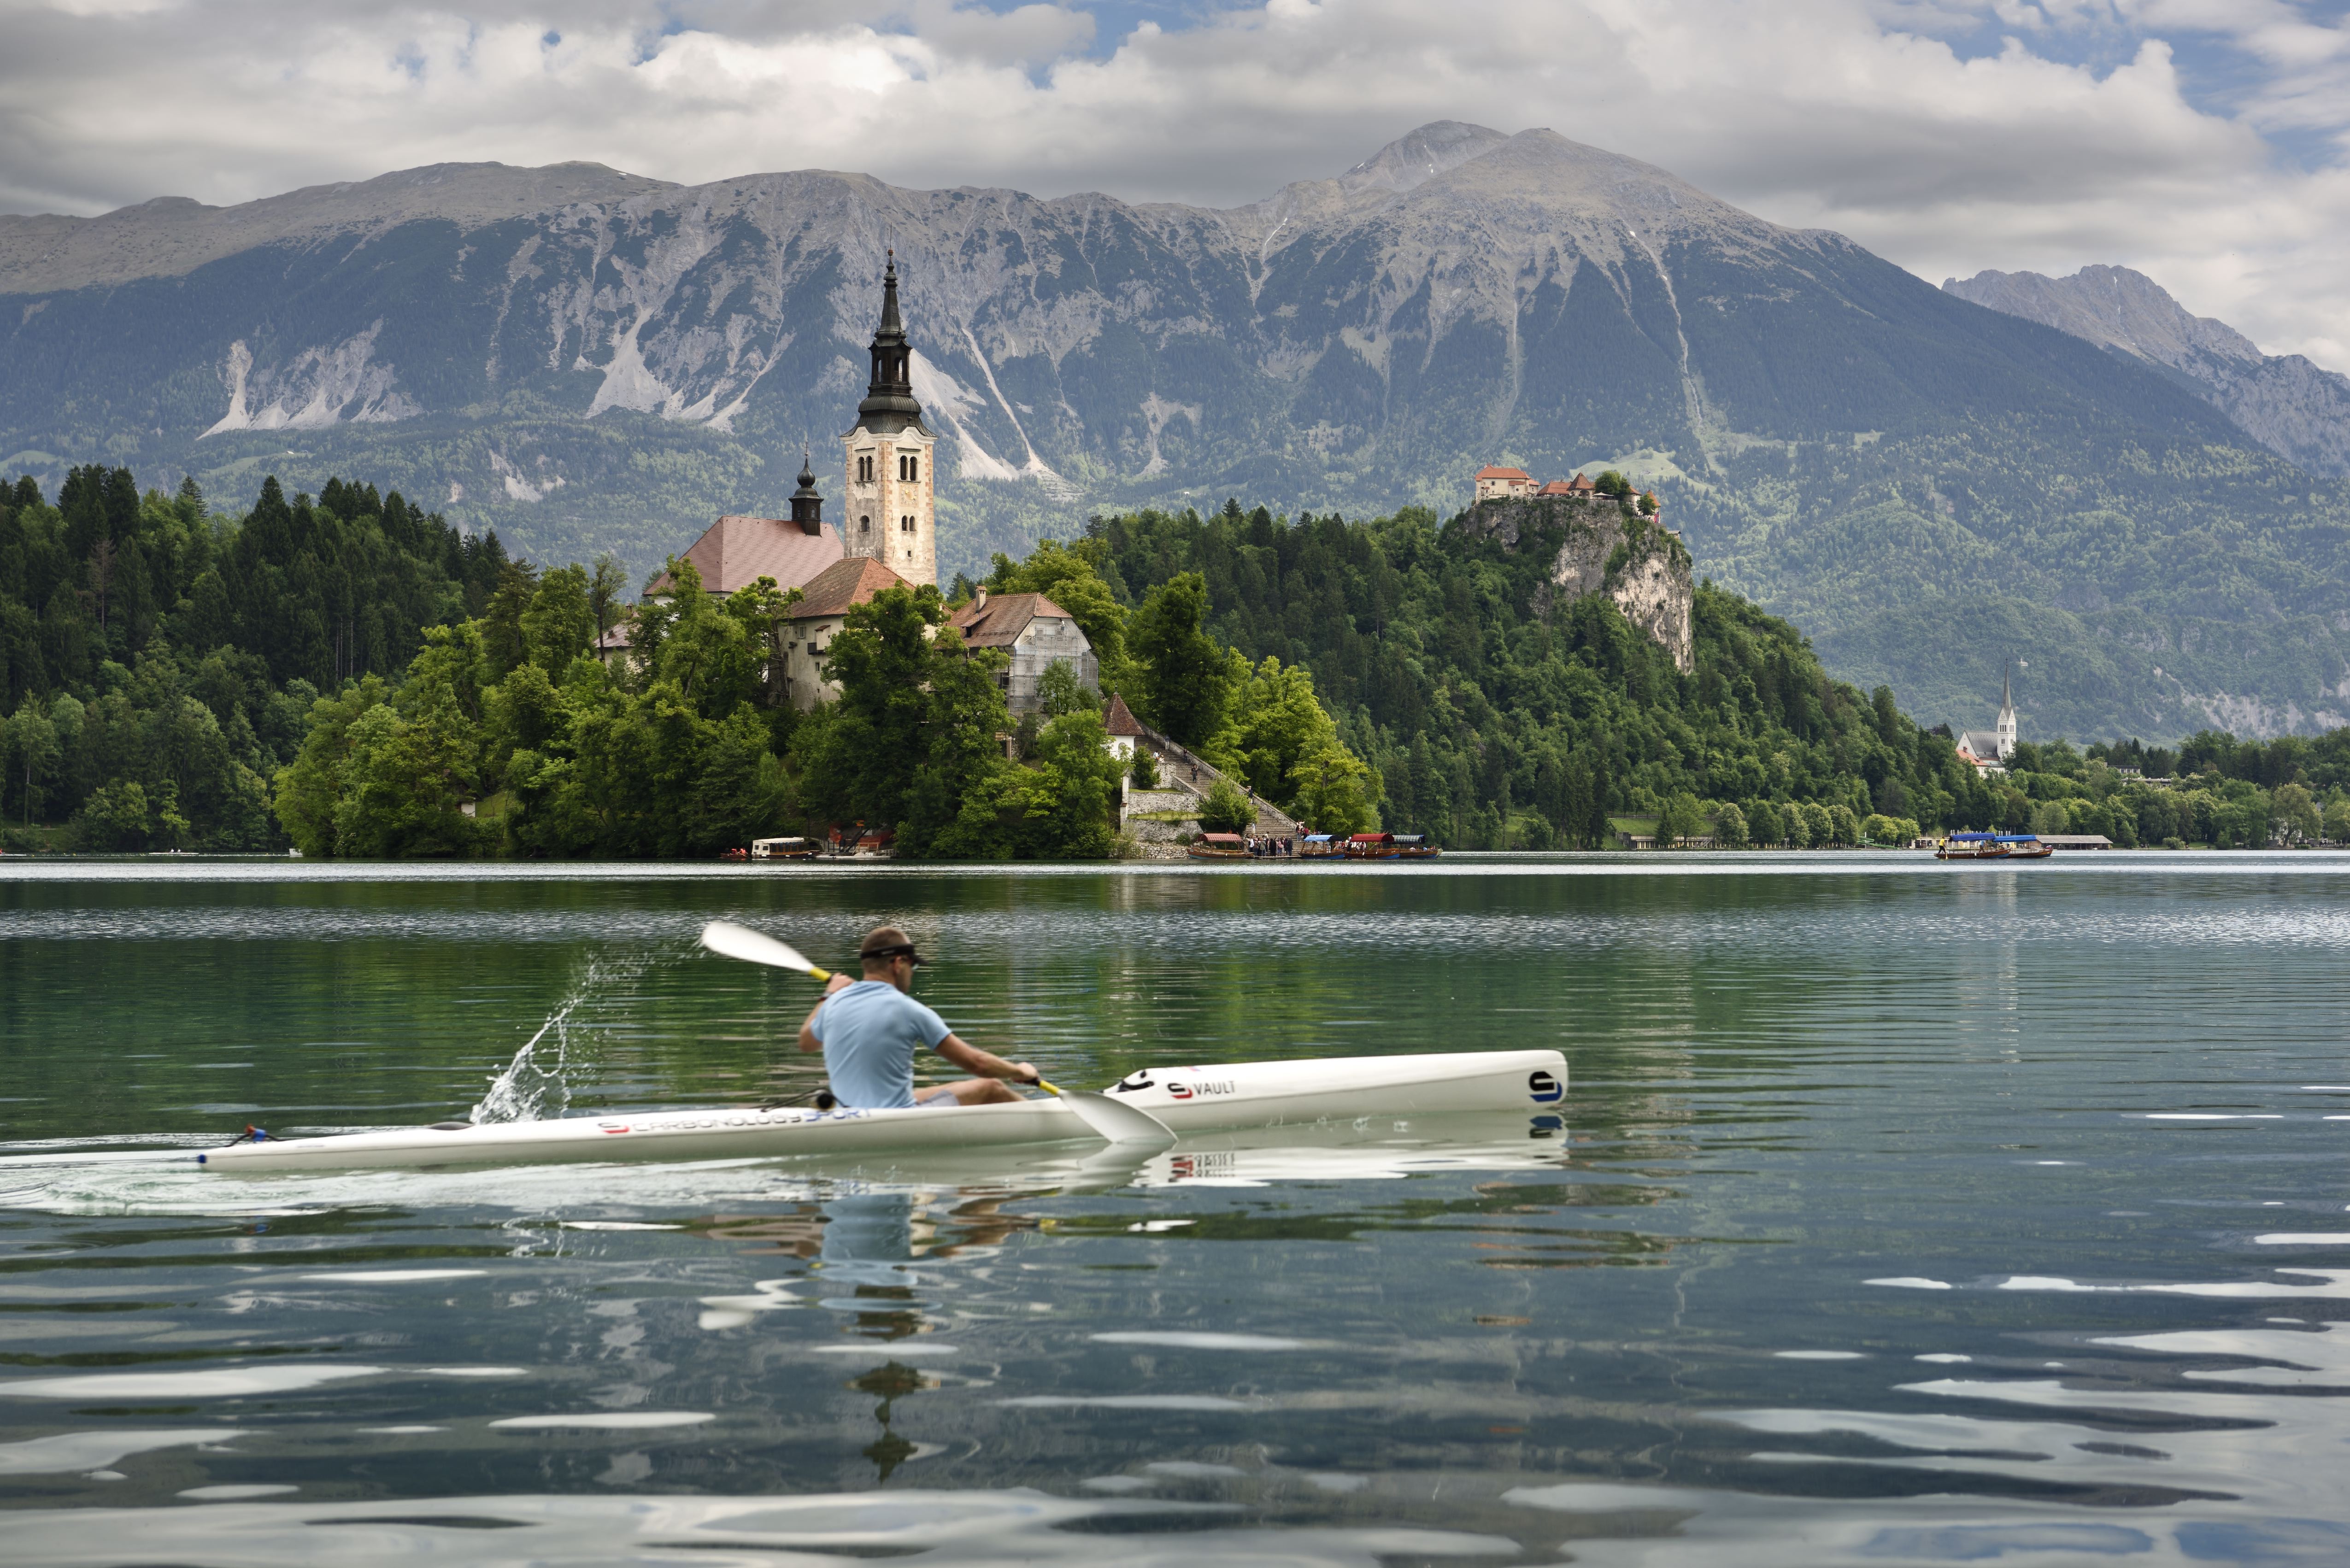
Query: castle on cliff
[{"x": 1498, "y": 483}]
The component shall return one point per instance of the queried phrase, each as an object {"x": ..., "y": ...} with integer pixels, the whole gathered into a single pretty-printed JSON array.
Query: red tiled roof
[
  {"x": 851, "y": 580},
  {"x": 1121, "y": 719},
  {"x": 736, "y": 551},
  {"x": 1556, "y": 487},
  {"x": 999, "y": 622},
  {"x": 1490, "y": 472},
  {"x": 1579, "y": 483}
]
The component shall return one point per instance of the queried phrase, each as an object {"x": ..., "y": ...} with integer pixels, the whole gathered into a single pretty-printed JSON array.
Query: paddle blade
[
  {"x": 730, "y": 940},
  {"x": 1128, "y": 1127}
]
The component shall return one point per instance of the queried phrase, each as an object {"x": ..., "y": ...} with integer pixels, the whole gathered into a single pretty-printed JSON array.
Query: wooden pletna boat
[
  {"x": 1389, "y": 847},
  {"x": 1220, "y": 847},
  {"x": 1190, "y": 1099},
  {"x": 1993, "y": 847}
]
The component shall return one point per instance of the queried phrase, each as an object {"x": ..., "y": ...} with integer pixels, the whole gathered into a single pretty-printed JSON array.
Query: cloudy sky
[{"x": 2200, "y": 141}]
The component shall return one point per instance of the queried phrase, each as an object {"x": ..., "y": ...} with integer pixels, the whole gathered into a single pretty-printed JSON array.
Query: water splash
[
  {"x": 532, "y": 1088},
  {"x": 527, "y": 1091}
]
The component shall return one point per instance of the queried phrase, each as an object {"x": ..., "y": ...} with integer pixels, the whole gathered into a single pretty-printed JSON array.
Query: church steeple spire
[
  {"x": 889, "y": 506},
  {"x": 807, "y": 506},
  {"x": 2006, "y": 729},
  {"x": 890, "y": 404}
]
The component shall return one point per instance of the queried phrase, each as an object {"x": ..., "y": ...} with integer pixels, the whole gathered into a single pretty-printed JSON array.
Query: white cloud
[{"x": 1948, "y": 135}]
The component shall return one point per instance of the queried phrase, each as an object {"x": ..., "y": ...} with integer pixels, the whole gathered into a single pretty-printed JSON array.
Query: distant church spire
[
  {"x": 890, "y": 404},
  {"x": 807, "y": 506},
  {"x": 2006, "y": 727}
]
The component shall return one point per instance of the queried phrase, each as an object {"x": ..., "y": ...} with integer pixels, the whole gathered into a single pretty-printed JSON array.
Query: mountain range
[
  {"x": 590, "y": 359},
  {"x": 2293, "y": 408}
]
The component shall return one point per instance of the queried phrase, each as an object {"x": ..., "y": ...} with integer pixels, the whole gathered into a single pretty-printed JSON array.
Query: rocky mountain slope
[
  {"x": 586, "y": 360},
  {"x": 2282, "y": 401}
]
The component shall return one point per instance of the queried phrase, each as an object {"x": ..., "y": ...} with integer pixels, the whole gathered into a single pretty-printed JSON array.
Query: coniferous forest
[{"x": 348, "y": 675}]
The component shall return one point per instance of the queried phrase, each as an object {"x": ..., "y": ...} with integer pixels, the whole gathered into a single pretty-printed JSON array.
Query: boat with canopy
[{"x": 1993, "y": 847}]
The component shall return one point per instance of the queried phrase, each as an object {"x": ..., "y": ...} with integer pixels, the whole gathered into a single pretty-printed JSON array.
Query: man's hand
[
  {"x": 837, "y": 982},
  {"x": 1025, "y": 1072}
]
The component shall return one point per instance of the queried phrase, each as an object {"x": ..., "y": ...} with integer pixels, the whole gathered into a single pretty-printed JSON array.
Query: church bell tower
[
  {"x": 2006, "y": 716},
  {"x": 889, "y": 517}
]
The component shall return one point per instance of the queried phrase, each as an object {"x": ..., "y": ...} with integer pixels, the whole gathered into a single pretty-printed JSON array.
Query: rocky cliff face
[
  {"x": 1603, "y": 549},
  {"x": 2282, "y": 401}
]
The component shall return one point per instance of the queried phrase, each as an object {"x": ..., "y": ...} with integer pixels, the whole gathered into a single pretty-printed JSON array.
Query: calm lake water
[{"x": 1902, "y": 1213}]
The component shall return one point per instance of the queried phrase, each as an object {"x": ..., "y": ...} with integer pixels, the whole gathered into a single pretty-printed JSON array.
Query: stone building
[
  {"x": 1125, "y": 729},
  {"x": 1036, "y": 633},
  {"x": 818, "y": 619},
  {"x": 888, "y": 515},
  {"x": 1494, "y": 483}
]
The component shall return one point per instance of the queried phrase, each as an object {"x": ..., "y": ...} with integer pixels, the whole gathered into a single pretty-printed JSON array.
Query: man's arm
[
  {"x": 808, "y": 1041},
  {"x": 981, "y": 1063}
]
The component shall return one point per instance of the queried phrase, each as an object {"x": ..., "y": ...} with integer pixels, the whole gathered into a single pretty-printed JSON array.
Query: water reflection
[{"x": 1900, "y": 1217}]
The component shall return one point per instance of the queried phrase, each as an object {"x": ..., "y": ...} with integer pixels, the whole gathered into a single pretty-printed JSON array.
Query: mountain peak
[
  {"x": 1420, "y": 156},
  {"x": 2114, "y": 307},
  {"x": 173, "y": 235},
  {"x": 2297, "y": 410}
]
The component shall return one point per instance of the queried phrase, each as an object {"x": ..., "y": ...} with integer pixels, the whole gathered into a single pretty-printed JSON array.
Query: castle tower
[
  {"x": 807, "y": 506},
  {"x": 888, "y": 513},
  {"x": 2006, "y": 716}
]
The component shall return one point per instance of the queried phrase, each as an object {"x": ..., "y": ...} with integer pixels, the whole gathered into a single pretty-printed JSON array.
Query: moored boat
[
  {"x": 1223, "y": 1098},
  {"x": 1993, "y": 847},
  {"x": 1220, "y": 847},
  {"x": 783, "y": 849},
  {"x": 1389, "y": 847},
  {"x": 1971, "y": 846}
]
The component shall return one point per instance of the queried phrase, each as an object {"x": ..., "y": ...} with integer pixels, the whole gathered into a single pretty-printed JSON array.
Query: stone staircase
[{"x": 1180, "y": 769}]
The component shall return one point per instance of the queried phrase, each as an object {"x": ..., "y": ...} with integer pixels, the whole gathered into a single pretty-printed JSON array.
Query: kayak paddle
[
  {"x": 1111, "y": 1120},
  {"x": 1115, "y": 1120},
  {"x": 728, "y": 939}
]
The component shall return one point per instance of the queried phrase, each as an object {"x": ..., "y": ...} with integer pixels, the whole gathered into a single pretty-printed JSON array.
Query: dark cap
[{"x": 887, "y": 941}]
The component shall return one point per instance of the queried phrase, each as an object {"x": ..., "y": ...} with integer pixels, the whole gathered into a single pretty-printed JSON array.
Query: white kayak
[{"x": 1237, "y": 1098}]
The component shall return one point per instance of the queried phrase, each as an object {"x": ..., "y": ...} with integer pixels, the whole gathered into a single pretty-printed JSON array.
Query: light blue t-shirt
[{"x": 870, "y": 1032}]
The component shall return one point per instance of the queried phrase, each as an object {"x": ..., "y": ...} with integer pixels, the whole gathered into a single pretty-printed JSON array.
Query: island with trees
[{"x": 347, "y": 675}]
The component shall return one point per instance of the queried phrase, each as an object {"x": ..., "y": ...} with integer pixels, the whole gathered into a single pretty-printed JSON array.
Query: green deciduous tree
[
  {"x": 1334, "y": 791},
  {"x": 1227, "y": 810},
  {"x": 2295, "y": 814}
]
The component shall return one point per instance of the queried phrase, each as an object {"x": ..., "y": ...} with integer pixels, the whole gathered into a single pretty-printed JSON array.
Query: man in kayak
[{"x": 869, "y": 1031}]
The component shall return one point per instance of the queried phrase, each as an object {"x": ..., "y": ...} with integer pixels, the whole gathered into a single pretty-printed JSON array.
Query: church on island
[
  {"x": 1988, "y": 750},
  {"x": 887, "y": 537}
]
